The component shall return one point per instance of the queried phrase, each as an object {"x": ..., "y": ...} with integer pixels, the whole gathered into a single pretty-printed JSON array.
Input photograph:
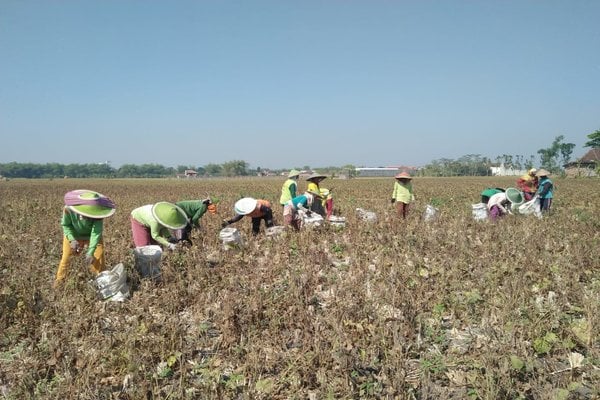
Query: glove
[
  {"x": 172, "y": 246},
  {"x": 89, "y": 258},
  {"x": 172, "y": 240},
  {"x": 206, "y": 201},
  {"x": 393, "y": 201},
  {"x": 75, "y": 245},
  {"x": 224, "y": 224},
  {"x": 309, "y": 213}
]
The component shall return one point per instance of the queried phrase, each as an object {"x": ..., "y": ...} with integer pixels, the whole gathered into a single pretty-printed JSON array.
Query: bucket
[
  {"x": 480, "y": 212},
  {"x": 231, "y": 238},
  {"x": 112, "y": 284},
  {"x": 147, "y": 260},
  {"x": 430, "y": 213},
  {"x": 515, "y": 196},
  {"x": 338, "y": 222},
  {"x": 367, "y": 216}
]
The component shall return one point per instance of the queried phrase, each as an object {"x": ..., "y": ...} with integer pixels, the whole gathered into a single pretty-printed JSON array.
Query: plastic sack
[
  {"x": 367, "y": 216},
  {"x": 147, "y": 260},
  {"x": 480, "y": 212},
  {"x": 338, "y": 222},
  {"x": 430, "y": 213},
  {"x": 531, "y": 207},
  {"x": 112, "y": 284},
  {"x": 310, "y": 221},
  {"x": 231, "y": 238}
]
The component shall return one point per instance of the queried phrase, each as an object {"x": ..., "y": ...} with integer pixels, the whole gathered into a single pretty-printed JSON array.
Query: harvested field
[{"x": 445, "y": 309}]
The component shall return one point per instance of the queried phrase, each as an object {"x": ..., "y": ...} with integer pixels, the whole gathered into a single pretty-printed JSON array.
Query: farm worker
[
  {"x": 498, "y": 205},
  {"x": 545, "y": 190},
  {"x": 82, "y": 224},
  {"x": 302, "y": 202},
  {"x": 150, "y": 224},
  {"x": 528, "y": 184},
  {"x": 489, "y": 192},
  {"x": 257, "y": 209},
  {"x": 314, "y": 180},
  {"x": 289, "y": 188},
  {"x": 194, "y": 210},
  {"x": 327, "y": 196},
  {"x": 402, "y": 194}
]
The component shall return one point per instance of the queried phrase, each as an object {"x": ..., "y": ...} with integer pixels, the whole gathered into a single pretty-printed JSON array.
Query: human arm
[
  {"x": 544, "y": 188},
  {"x": 232, "y": 220},
  {"x": 95, "y": 236}
]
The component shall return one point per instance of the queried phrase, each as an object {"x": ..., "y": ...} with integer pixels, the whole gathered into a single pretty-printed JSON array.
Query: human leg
[
  {"x": 97, "y": 265},
  {"x": 63, "y": 266}
]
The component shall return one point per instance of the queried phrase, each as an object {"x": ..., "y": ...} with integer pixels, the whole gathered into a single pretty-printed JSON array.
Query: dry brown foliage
[{"x": 451, "y": 308}]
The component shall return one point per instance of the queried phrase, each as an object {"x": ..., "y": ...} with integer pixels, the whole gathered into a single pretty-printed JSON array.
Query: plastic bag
[
  {"x": 532, "y": 207},
  {"x": 367, "y": 216},
  {"x": 112, "y": 284},
  {"x": 479, "y": 212},
  {"x": 231, "y": 238}
]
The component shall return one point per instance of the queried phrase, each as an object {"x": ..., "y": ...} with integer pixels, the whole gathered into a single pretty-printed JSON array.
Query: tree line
[{"x": 551, "y": 158}]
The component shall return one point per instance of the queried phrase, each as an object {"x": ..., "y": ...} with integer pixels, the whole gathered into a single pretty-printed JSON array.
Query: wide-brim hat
[
  {"x": 293, "y": 172},
  {"x": 515, "y": 196},
  {"x": 245, "y": 206},
  {"x": 403, "y": 175},
  {"x": 89, "y": 203},
  {"x": 315, "y": 175},
  {"x": 169, "y": 215},
  {"x": 532, "y": 171},
  {"x": 316, "y": 194},
  {"x": 542, "y": 172}
]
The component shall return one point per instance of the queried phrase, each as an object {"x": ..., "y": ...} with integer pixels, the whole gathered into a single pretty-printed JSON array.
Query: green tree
[
  {"x": 594, "y": 141},
  {"x": 559, "y": 153},
  {"x": 213, "y": 169},
  {"x": 235, "y": 168}
]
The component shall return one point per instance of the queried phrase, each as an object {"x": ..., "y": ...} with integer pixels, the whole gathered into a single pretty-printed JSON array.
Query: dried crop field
[{"x": 445, "y": 309}]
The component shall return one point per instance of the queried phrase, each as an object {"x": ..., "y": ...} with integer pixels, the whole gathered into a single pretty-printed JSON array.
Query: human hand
[
  {"x": 172, "y": 246},
  {"x": 224, "y": 224},
  {"x": 172, "y": 239},
  {"x": 89, "y": 258},
  {"x": 393, "y": 200},
  {"x": 75, "y": 245},
  {"x": 309, "y": 213}
]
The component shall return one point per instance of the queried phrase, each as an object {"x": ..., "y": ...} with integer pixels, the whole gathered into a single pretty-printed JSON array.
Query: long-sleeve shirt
[
  {"x": 262, "y": 208},
  {"x": 288, "y": 191},
  {"x": 546, "y": 188},
  {"x": 78, "y": 227},
  {"x": 144, "y": 216},
  {"x": 403, "y": 192},
  {"x": 194, "y": 209},
  {"x": 499, "y": 200}
]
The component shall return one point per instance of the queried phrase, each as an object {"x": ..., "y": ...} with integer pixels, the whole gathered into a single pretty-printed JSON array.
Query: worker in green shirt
[
  {"x": 194, "y": 209},
  {"x": 82, "y": 225}
]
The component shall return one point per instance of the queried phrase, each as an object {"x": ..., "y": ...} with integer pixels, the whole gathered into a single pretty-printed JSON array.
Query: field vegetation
[{"x": 446, "y": 309}]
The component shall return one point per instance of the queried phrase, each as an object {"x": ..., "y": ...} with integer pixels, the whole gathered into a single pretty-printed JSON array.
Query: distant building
[
  {"x": 506, "y": 171},
  {"x": 586, "y": 165},
  {"x": 372, "y": 172},
  {"x": 188, "y": 173}
]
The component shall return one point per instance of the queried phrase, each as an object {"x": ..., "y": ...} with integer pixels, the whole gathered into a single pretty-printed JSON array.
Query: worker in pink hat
[
  {"x": 402, "y": 195},
  {"x": 82, "y": 225}
]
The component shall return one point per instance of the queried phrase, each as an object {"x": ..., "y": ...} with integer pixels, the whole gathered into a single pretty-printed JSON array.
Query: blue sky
[{"x": 293, "y": 83}]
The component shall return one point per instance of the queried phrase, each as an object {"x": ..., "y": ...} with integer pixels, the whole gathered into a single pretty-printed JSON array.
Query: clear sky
[{"x": 292, "y": 83}]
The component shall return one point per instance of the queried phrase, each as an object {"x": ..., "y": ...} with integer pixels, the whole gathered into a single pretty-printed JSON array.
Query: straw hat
[
  {"x": 294, "y": 173},
  {"x": 169, "y": 215},
  {"x": 89, "y": 203},
  {"x": 542, "y": 172},
  {"x": 403, "y": 175},
  {"x": 315, "y": 175},
  {"x": 245, "y": 206},
  {"x": 532, "y": 171}
]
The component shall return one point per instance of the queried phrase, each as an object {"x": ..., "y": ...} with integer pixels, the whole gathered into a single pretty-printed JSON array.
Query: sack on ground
[{"x": 112, "y": 284}]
